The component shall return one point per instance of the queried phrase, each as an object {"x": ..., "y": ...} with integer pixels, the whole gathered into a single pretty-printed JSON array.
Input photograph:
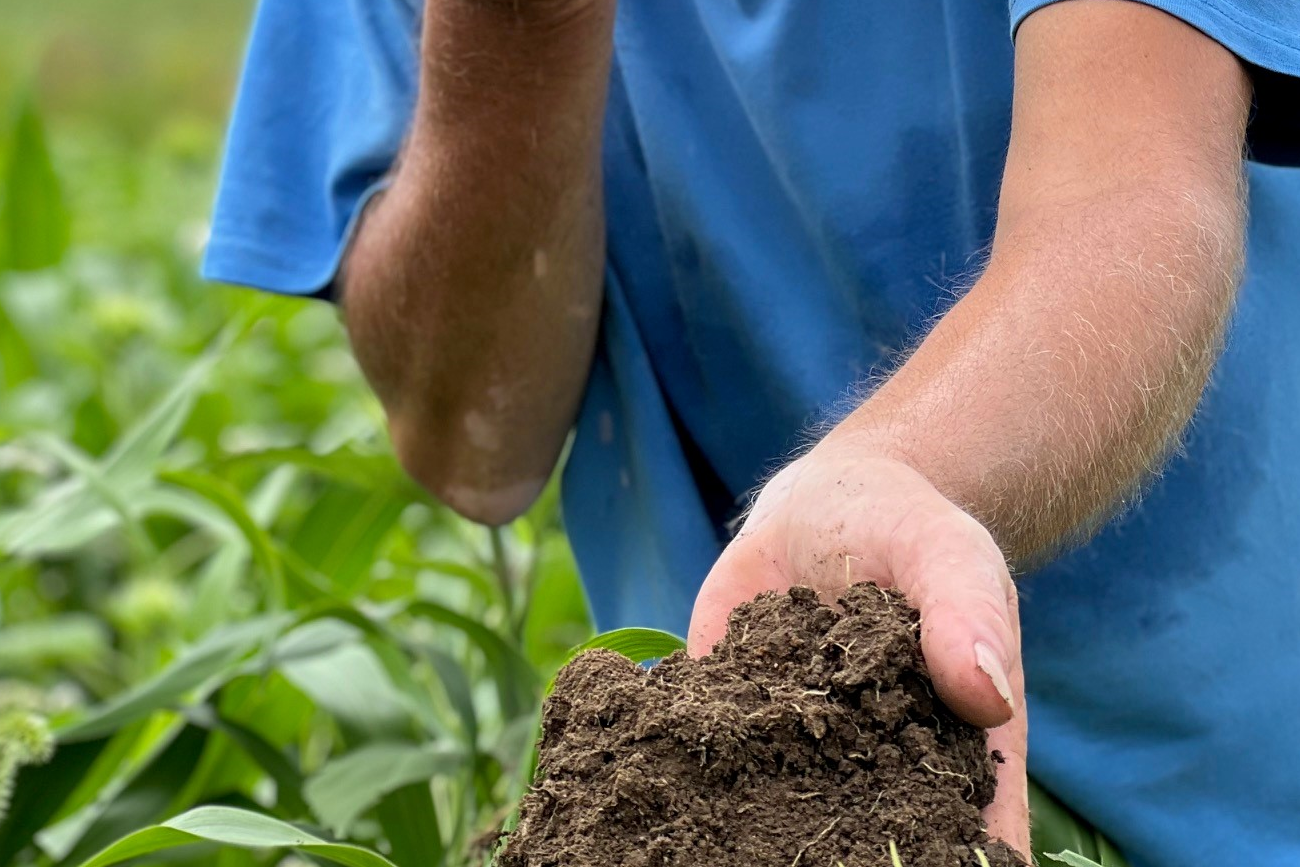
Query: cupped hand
[{"x": 838, "y": 516}]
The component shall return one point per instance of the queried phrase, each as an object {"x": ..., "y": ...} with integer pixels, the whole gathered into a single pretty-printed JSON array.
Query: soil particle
[{"x": 811, "y": 736}]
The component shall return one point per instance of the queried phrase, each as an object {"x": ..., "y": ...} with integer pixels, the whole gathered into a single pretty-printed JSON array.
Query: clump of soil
[{"x": 811, "y": 736}]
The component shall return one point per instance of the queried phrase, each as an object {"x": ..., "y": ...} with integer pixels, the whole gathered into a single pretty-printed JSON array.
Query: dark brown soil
[{"x": 810, "y": 737}]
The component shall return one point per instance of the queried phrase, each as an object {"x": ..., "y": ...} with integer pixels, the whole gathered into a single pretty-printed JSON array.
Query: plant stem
[{"x": 501, "y": 568}]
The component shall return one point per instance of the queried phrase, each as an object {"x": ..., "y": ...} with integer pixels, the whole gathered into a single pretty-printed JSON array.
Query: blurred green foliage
[{"x": 216, "y": 587}]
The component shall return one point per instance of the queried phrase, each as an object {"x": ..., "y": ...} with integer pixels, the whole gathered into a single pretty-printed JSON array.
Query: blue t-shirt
[{"x": 792, "y": 186}]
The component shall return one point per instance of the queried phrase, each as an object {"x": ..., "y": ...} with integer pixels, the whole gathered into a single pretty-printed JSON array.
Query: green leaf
[
  {"x": 227, "y": 498},
  {"x": 143, "y": 799},
  {"x": 61, "y": 519},
  {"x": 637, "y": 644},
  {"x": 126, "y": 749},
  {"x": 216, "y": 654},
  {"x": 410, "y": 823},
  {"x": 73, "y": 513},
  {"x": 354, "y": 782},
  {"x": 189, "y": 508},
  {"x": 1107, "y": 854},
  {"x": 1073, "y": 859},
  {"x": 1057, "y": 829},
  {"x": 516, "y": 749},
  {"x": 40, "y": 791},
  {"x": 17, "y": 360},
  {"x": 402, "y": 672},
  {"x": 348, "y": 682},
  {"x": 288, "y": 782},
  {"x": 558, "y": 617},
  {"x": 342, "y": 533},
  {"x": 135, "y": 455},
  {"x": 56, "y": 641},
  {"x": 220, "y": 775},
  {"x": 455, "y": 684},
  {"x": 311, "y": 637},
  {"x": 94, "y": 481},
  {"x": 308, "y": 584},
  {"x": 480, "y": 579},
  {"x": 216, "y": 589},
  {"x": 34, "y": 222},
  {"x": 231, "y": 827},
  {"x": 516, "y": 679},
  {"x": 347, "y": 465}
]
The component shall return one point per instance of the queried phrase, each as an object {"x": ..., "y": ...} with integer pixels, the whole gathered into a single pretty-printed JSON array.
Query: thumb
[
  {"x": 743, "y": 571},
  {"x": 950, "y": 568}
]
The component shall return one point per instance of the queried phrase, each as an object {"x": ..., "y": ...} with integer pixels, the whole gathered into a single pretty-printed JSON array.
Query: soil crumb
[{"x": 811, "y": 736}]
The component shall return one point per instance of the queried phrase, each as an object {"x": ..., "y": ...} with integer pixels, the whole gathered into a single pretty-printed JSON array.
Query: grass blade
[{"x": 231, "y": 827}]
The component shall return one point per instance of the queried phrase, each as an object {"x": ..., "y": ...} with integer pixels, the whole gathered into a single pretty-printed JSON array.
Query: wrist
[
  {"x": 855, "y": 453},
  {"x": 869, "y": 447},
  {"x": 838, "y": 477}
]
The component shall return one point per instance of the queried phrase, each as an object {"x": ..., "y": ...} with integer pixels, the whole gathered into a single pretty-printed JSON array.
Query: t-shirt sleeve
[
  {"x": 324, "y": 102},
  {"x": 1265, "y": 34}
]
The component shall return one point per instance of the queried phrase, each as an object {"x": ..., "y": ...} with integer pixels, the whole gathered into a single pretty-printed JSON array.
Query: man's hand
[
  {"x": 841, "y": 515},
  {"x": 1061, "y": 380}
]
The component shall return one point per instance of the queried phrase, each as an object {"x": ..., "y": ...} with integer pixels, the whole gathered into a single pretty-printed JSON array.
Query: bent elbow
[
  {"x": 472, "y": 488},
  {"x": 493, "y": 507}
]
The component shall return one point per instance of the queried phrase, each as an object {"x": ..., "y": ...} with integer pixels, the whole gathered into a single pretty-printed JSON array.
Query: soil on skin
[{"x": 810, "y": 737}]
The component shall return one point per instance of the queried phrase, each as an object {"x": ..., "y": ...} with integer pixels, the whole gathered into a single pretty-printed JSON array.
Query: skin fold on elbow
[
  {"x": 484, "y": 488},
  {"x": 459, "y": 449}
]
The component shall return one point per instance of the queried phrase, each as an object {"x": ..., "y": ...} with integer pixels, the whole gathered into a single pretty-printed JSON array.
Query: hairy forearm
[
  {"x": 1045, "y": 397},
  {"x": 472, "y": 292}
]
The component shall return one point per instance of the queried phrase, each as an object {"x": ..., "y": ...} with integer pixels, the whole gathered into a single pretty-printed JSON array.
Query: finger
[
  {"x": 1008, "y": 815},
  {"x": 745, "y": 569},
  {"x": 948, "y": 566}
]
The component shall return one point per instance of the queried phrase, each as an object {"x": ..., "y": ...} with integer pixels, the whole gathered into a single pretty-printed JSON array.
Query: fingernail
[{"x": 991, "y": 664}]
